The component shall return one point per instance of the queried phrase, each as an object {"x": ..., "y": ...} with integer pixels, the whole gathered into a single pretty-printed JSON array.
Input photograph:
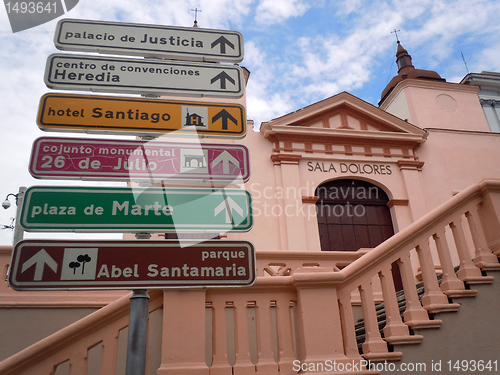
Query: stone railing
[{"x": 300, "y": 311}]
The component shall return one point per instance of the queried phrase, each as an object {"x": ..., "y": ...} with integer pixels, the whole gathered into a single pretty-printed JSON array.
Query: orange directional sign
[{"x": 122, "y": 115}]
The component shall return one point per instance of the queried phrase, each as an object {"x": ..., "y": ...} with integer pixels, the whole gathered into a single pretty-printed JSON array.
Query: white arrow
[
  {"x": 229, "y": 205},
  {"x": 41, "y": 259},
  {"x": 224, "y": 158}
]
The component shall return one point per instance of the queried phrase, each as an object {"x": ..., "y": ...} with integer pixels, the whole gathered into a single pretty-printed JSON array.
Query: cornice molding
[
  {"x": 343, "y": 102},
  {"x": 309, "y": 200},
  {"x": 279, "y": 159},
  {"x": 410, "y": 165},
  {"x": 490, "y": 102},
  {"x": 328, "y": 135},
  {"x": 397, "y": 202}
]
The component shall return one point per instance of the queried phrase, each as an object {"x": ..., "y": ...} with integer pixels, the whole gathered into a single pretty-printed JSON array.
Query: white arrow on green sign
[{"x": 104, "y": 209}]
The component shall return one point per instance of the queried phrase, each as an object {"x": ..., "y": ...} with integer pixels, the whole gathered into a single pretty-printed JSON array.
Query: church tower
[{"x": 425, "y": 99}]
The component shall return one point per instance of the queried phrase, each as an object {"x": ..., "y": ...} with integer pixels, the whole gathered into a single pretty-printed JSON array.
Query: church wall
[
  {"x": 398, "y": 106},
  {"x": 438, "y": 105},
  {"x": 455, "y": 160},
  {"x": 283, "y": 187},
  {"x": 283, "y": 192},
  {"x": 265, "y": 234}
]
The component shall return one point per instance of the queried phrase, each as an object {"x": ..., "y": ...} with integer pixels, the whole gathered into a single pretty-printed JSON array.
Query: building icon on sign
[
  {"x": 195, "y": 117},
  {"x": 194, "y": 120}
]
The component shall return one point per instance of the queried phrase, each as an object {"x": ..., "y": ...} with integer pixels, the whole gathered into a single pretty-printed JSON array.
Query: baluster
[
  {"x": 451, "y": 285},
  {"x": 433, "y": 299},
  {"x": 348, "y": 325},
  {"x": 484, "y": 257},
  {"x": 244, "y": 330},
  {"x": 415, "y": 315},
  {"x": 468, "y": 272},
  {"x": 285, "y": 337},
  {"x": 78, "y": 363},
  {"x": 266, "y": 362},
  {"x": 220, "y": 363},
  {"x": 109, "y": 355},
  {"x": 373, "y": 346},
  {"x": 395, "y": 331}
]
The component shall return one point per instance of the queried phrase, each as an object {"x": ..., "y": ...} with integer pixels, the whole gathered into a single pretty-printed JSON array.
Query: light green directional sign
[{"x": 104, "y": 209}]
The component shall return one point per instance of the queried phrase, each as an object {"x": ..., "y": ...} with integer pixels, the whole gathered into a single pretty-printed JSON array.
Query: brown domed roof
[{"x": 407, "y": 70}]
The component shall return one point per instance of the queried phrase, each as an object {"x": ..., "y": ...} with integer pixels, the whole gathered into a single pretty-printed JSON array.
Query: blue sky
[{"x": 298, "y": 52}]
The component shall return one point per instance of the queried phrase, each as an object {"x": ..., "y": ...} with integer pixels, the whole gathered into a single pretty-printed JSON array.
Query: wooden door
[{"x": 353, "y": 214}]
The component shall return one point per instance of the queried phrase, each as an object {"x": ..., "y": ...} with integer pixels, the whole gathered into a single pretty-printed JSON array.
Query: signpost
[
  {"x": 146, "y": 77},
  {"x": 107, "y": 264},
  {"x": 101, "y": 209},
  {"x": 119, "y": 38},
  {"x": 100, "y": 159},
  {"x": 62, "y": 265},
  {"x": 139, "y": 116}
]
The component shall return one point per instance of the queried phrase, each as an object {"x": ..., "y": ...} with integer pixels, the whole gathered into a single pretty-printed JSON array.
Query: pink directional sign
[{"x": 99, "y": 159}]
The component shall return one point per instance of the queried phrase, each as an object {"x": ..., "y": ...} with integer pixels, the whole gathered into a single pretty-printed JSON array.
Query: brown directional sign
[
  {"x": 138, "y": 264},
  {"x": 141, "y": 116}
]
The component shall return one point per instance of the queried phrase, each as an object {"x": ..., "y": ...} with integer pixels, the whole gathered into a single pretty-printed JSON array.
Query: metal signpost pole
[
  {"x": 137, "y": 333},
  {"x": 137, "y": 343},
  {"x": 99, "y": 209},
  {"x": 18, "y": 229}
]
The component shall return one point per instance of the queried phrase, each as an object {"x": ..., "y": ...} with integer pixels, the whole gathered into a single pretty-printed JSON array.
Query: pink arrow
[{"x": 224, "y": 158}]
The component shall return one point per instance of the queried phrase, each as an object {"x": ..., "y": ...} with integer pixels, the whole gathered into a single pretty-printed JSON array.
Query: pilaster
[{"x": 291, "y": 202}]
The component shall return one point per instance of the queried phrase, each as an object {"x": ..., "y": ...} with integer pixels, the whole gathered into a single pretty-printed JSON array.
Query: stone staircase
[
  {"x": 382, "y": 316},
  {"x": 304, "y": 310}
]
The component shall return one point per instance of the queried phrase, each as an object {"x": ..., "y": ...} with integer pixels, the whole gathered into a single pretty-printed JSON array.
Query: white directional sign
[
  {"x": 118, "y": 38},
  {"x": 153, "y": 77}
]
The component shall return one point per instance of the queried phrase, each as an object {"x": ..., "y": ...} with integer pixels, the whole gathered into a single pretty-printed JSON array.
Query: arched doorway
[{"x": 352, "y": 214}]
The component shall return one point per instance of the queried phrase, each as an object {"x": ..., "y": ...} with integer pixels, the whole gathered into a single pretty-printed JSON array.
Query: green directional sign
[{"x": 104, "y": 209}]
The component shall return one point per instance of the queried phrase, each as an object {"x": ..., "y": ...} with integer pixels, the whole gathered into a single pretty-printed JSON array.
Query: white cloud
[
  {"x": 308, "y": 50},
  {"x": 271, "y": 12},
  {"x": 263, "y": 101}
]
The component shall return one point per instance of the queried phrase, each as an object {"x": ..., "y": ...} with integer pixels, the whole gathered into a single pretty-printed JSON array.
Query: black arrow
[
  {"x": 222, "y": 41},
  {"x": 222, "y": 77},
  {"x": 224, "y": 115}
]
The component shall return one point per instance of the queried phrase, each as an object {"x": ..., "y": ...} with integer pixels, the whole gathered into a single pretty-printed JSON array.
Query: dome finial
[{"x": 195, "y": 10}]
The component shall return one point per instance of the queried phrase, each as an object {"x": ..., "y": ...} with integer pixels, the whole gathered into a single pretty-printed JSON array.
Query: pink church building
[{"x": 377, "y": 236}]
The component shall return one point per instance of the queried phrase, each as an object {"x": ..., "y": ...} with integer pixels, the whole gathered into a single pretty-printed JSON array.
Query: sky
[{"x": 298, "y": 52}]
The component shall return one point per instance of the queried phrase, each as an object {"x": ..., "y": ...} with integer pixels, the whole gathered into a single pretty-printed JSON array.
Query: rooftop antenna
[
  {"x": 195, "y": 10},
  {"x": 463, "y": 58},
  {"x": 396, "y": 32}
]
